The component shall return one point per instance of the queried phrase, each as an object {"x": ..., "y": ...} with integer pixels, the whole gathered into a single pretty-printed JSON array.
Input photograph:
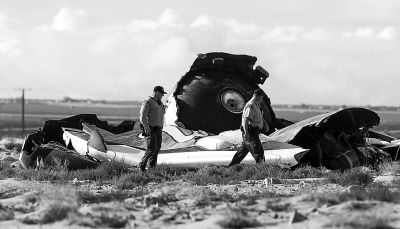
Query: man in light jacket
[
  {"x": 252, "y": 124},
  {"x": 151, "y": 119}
]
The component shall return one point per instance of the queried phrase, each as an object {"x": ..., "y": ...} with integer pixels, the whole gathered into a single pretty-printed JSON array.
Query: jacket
[{"x": 152, "y": 113}]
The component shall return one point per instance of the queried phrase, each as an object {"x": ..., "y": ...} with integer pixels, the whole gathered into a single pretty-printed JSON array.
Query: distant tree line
[{"x": 67, "y": 99}]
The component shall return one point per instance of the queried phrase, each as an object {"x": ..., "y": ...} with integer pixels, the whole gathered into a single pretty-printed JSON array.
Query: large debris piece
[
  {"x": 337, "y": 140},
  {"x": 85, "y": 147},
  {"x": 47, "y": 144},
  {"x": 212, "y": 94}
]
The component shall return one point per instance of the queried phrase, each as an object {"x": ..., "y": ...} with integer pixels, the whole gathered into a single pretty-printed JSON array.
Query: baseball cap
[{"x": 159, "y": 89}]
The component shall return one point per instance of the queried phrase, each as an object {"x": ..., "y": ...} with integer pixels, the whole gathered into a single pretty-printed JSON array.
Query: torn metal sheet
[
  {"x": 36, "y": 146},
  {"x": 180, "y": 147},
  {"x": 53, "y": 154},
  {"x": 334, "y": 138}
]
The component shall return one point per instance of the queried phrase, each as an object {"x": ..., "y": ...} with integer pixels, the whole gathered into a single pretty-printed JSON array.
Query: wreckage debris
[
  {"x": 51, "y": 154},
  {"x": 201, "y": 127},
  {"x": 337, "y": 140},
  {"x": 180, "y": 147},
  {"x": 334, "y": 141},
  {"x": 212, "y": 94},
  {"x": 47, "y": 144}
]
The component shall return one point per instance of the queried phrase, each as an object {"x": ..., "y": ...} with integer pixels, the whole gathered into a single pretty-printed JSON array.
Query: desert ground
[{"x": 116, "y": 195}]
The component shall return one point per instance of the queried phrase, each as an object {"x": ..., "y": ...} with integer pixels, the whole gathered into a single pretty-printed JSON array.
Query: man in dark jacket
[{"x": 152, "y": 119}]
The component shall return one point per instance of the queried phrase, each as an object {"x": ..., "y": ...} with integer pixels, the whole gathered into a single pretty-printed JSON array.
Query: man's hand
[{"x": 147, "y": 130}]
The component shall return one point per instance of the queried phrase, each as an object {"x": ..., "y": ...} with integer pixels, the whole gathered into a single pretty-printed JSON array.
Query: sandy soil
[{"x": 179, "y": 204}]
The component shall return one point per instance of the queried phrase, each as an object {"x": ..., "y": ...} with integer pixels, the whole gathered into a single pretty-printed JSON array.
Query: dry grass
[
  {"x": 58, "y": 172},
  {"x": 126, "y": 177},
  {"x": 89, "y": 197},
  {"x": 373, "y": 192},
  {"x": 392, "y": 167},
  {"x": 355, "y": 176},
  {"x": 222, "y": 175}
]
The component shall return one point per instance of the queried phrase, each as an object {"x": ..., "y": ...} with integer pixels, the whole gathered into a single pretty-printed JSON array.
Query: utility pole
[{"x": 23, "y": 109}]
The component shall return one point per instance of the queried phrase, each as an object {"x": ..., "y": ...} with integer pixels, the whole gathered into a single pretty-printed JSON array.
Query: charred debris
[{"x": 210, "y": 97}]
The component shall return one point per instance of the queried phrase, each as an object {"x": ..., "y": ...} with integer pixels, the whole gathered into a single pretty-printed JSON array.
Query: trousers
[
  {"x": 153, "y": 148},
  {"x": 251, "y": 143}
]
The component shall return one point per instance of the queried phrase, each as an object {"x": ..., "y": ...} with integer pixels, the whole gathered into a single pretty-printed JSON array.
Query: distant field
[
  {"x": 68, "y": 109},
  {"x": 37, "y": 113}
]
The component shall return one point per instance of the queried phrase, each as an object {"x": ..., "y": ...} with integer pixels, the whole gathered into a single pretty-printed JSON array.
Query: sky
[{"x": 336, "y": 52}]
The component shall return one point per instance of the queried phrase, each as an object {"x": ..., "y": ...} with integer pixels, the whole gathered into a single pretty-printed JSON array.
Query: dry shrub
[
  {"x": 207, "y": 197},
  {"x": 278, "y": 206},
  {"x": 10, "y": 159},
  {"x": 380, "y": 194},
  {"x": 355, "y": 176},
  {"x": 360, "y": 221},
  {"x": 6, "y": 213},
  {"x": 390, "y": 167},
  {"x": 135, "y": 179},
  {"x": 87, "y": 196},
  {"x": 44, "y": 174},
  {"x": 308, "y": 171},
  {"x": 103, "y": 221},
  {"x": 102, "y": 217},
  {"x": 208, "y": 174},
  {"x": 32, "y": 198},
  {"x": 5, "y": 170},
  {"x": 58, "y": 172},
  {"x": 107, "y": 170},
  {"x": 55, "y": 203},
  {"x": 13, "y": 145},
  {"x": 160, "y": 173},
  {"x": 257, "y": 171},
  {"x": 56, "y": 212},
  {"x": 238, "y": 218},
  {"x": 52, "y": 213},
  {"x": 9, "y": 193},
  {"x": 211, "y": 174},
  {"x": 372, "y": 192}
]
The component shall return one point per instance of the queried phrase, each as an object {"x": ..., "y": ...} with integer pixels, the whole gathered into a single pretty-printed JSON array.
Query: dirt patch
[{"x": 180, "y": 204}]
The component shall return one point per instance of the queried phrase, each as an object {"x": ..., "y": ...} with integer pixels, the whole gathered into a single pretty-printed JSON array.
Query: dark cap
[
  {"x": 259, "y": 92},
  {"x": 159, "y": 89}
]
